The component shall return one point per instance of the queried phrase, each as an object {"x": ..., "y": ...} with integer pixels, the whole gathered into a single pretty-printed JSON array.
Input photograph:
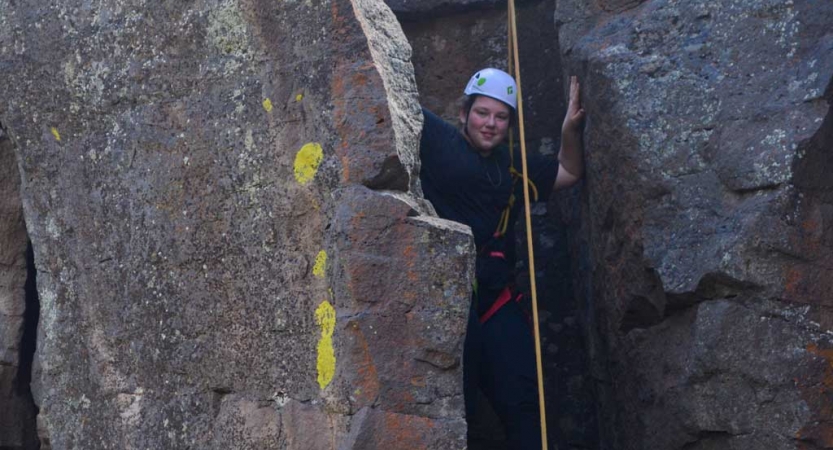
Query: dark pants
[{"x": 499, "y": 359}]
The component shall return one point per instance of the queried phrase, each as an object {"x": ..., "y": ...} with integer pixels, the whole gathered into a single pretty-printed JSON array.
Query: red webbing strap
[{"x": 502, "y": 299}]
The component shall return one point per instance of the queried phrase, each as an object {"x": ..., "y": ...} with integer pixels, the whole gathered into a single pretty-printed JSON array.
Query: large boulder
[
  {"x": 224, "y": 209},
  {"x": 705, "y": 229}
]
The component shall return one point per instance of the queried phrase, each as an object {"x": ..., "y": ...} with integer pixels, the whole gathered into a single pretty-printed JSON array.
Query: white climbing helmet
[{"x": 494, "y": 83}]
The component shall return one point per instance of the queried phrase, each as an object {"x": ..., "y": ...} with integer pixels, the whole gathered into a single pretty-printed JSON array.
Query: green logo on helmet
[
  {"x": 481, "y": 81},
  {"x": 509, "y": 90}
]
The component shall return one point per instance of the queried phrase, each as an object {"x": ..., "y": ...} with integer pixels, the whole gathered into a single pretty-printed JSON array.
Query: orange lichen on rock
[{"x": 818, "y": 393}]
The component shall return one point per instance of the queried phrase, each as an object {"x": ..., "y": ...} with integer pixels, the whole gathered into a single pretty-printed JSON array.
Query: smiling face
[{"x": 487, "y": 124}]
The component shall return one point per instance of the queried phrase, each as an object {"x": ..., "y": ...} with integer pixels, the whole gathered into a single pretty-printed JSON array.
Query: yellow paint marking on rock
[
  {"x": 325, "y": 317},
  {"x": 320, "y": 267},
  {"x": 307, "y": 161},
  {"x": 56, "y": 134},
  {"x": 299, "y": 97},
  {"x": 267, "y": 105}
]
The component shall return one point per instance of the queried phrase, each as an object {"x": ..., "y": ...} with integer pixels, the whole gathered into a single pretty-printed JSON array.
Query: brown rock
[{"x": 403, "y": 431}]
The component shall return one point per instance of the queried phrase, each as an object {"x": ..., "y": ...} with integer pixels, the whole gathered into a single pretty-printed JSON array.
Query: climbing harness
[
  {"x": 503, "y": 223},
  {"x": 514, "y": 63},
  {"x": 503, "y": 298}
]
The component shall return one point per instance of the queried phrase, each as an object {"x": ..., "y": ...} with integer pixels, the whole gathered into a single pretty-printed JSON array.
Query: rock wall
[
  {"x": 224, "y": 209},
  {"x": 232, "y": 251},
  {"x": 704, "y": 230},
  {"x": 17, "y": 415}
]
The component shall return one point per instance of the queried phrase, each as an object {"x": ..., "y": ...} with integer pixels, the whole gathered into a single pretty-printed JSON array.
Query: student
[{"x": 469, "y": 176}]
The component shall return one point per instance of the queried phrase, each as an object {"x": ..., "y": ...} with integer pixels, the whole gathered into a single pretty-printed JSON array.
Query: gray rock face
[
  {"x": 230, "y": 252},
  {"x": 707, "y": 222}
]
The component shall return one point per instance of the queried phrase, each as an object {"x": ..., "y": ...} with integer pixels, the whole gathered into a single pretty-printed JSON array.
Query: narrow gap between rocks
[
  {"x": 448, "y": 47},
  {"x": 28, "y": 346},
  {"x": 30, "y": 324},
  {"x": 19, "y": 311}
]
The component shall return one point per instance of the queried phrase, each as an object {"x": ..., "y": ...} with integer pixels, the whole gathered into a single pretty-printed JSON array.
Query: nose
[{"x": 490, "y": 122}]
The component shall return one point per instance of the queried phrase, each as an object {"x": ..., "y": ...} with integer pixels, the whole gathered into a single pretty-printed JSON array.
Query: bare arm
[{"x": 570, "y": 157}]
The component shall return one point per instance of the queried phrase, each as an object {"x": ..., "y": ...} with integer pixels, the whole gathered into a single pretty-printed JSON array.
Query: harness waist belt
[{"x": 501, "y": 301}]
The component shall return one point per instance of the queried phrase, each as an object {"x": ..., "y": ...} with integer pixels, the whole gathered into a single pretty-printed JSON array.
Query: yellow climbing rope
[{"x": 514, "y": 63}]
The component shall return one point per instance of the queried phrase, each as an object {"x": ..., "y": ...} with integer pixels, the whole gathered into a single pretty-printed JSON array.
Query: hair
[{"x": 465, "y": 102}]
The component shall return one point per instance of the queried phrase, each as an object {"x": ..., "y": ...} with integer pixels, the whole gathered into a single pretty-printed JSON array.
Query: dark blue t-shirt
[{"x": 471, "y": 189}]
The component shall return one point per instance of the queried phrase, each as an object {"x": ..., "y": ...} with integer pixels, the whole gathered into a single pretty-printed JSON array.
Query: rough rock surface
[
  {"x": 190, "y": 243},
  {"x": 17, "y": 414},
  {"x": 222, "y": 202},
  {"x": 706, "y": 221}
]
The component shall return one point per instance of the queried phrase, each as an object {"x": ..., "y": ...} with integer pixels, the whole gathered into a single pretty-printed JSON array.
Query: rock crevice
[{"x": 18, "y": 311}]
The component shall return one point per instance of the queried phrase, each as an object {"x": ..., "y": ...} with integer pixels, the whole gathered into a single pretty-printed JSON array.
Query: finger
[
  {"x": 577, "y": 93},
  {"x": 575, "y": 102},
  {"x": 574, "y": 90}
]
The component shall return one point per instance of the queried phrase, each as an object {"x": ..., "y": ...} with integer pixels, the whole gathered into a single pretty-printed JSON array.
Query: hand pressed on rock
[
  {"x": 570, "y": 157},
  {"x": 575, "y": 113}
]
